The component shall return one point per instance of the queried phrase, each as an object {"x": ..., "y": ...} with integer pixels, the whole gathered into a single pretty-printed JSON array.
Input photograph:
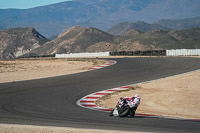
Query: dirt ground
[
  {"x": 9, "y": 128},
  {"x": 17, "y": 70},
  {"x": 176, "y": 96}
]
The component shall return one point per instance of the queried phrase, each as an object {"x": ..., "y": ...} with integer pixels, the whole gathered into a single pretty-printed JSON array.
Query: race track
[{"x": 52, "y": 101}]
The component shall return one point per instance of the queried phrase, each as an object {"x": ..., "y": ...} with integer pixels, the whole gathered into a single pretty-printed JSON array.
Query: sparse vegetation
[{"x": 78, "y": 39}]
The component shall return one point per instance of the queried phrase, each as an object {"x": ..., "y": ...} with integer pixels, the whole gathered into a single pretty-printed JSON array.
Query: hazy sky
[{"x": 24, "y": 4}]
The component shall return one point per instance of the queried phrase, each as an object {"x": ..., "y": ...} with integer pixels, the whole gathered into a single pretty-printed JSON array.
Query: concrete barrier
[
  {"x": 172, "y": 52},
  {"x": 74, "y": 55},
  {"x": 183, "y": 52}
]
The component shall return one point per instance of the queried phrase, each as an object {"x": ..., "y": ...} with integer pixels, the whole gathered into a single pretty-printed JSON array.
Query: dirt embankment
[{"x": 176, "y": 96}]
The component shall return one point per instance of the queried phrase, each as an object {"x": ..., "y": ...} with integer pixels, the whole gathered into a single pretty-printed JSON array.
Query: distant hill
[
  {"x": 25, "y": 42},
  {"x": 180, "y": 24},
  {"x": 52, "y": 20},
  {"x": 75, "y": 39},
  {"x": 132, "y": 33},
  {"x": 159, "y": 39},
  {"x": 19, "y": 41},
  {"x": 141, "y": 26},
  {"x": 79, "y": 39},
  {"x": 189, "y": 38}
]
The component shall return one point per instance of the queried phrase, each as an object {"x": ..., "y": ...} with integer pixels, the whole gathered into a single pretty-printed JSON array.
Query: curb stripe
[
  {"x": 106, "y": 110},
  {"x": 112, "y": 90},
  {"x": 97, "y": 67},
  {"x": 100, "y": 66},
  {"x": 104, "y": 65},
  {"x": 89, "y": 100},
  {"x": 139, "y": 114},
  {"x": 126, "y": 87},
  {"x": 93, "y": 68},
  {"x": 108, "y": 63},
  {"x": 87, "y": 105},
  {"x": 92, "y": 97},
  {"x": 101, "y": 93}
]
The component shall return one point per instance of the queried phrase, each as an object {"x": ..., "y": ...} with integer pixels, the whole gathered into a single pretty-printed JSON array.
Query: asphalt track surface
[{"x": 52, "y": 101}]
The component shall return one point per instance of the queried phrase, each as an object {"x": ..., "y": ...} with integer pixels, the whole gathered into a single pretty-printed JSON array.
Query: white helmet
[{"x": 136, "y": 95}]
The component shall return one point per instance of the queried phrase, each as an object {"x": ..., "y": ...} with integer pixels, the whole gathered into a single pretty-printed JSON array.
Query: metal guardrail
[
  {"x": 139, "y": 53},
  {"x": 35, "y": 56}
]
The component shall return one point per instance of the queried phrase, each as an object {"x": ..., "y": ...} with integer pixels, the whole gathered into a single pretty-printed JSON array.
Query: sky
[{"x": 24, "y": 4}]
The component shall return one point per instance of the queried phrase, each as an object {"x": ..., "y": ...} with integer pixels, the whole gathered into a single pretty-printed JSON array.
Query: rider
[{"x": 133, "y": 102}]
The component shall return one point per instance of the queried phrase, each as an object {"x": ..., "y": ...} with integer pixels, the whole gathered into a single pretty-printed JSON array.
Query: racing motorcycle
[{"x": 124, "y": 108}]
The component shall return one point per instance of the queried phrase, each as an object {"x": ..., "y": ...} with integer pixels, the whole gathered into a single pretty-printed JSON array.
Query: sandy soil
[
  {"x": 17, "y": 70},
  {"x": 176, "y": 96},
  {"x": 7, "y": 128}
]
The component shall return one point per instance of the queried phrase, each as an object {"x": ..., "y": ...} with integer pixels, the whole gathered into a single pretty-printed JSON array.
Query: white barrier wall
[
  {"x": 99, "y": 54},
  {"x": 183, "y": 52}
]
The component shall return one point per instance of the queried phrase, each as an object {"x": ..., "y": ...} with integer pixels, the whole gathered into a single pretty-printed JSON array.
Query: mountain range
[
  {"x": 178, "y": 24},
  {"x": 52, "y": 20},
  {"x": 26, "y": 42},
  {"x": 140, "y": 25}
]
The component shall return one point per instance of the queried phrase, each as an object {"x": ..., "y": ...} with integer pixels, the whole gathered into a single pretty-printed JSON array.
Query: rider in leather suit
[{"x": 133, "y": 103}]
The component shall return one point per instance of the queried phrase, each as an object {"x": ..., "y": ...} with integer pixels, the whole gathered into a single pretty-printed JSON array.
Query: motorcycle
[{"x": 124, "y": 108}]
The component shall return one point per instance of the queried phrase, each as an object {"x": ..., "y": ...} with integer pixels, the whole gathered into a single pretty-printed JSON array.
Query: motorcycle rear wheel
[{"x": 124, "y": 111}]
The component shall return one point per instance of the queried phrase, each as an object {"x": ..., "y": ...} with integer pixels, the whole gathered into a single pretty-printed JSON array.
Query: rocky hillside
[
  {"x": 163, "y": 24},
  {"x": 75, "y": 39},
  {"x": 140, "y": 25},
  {"x": 18, "y": 41},
  {"x": 79, "y": 39},
  {"x": 53, "y": 19},
  {"x": 28, "y": 42},
  {"x": 180, "y": 24},
  {"x": 159, "y": 39}
]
